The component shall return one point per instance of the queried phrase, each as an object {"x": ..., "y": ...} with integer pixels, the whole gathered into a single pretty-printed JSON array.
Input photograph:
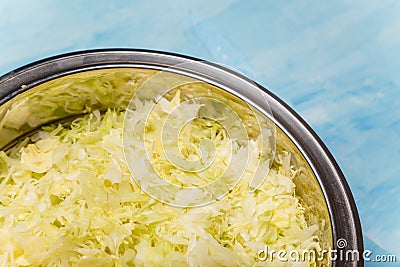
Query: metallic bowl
[{"x": 321, "y": 186}]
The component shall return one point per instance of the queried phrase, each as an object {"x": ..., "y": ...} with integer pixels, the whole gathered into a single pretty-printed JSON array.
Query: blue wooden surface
[{"x": 335, "y": 62}]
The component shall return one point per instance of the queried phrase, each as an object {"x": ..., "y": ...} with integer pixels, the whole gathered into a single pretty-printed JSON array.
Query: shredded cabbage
[{"x": 67, "y": 198}]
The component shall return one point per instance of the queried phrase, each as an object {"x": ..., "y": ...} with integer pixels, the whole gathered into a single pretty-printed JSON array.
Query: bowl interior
[{"x": 64, "y": 98}]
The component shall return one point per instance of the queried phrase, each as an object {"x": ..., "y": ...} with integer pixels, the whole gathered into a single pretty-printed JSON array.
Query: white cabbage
[{"x": 68, "y": 199}]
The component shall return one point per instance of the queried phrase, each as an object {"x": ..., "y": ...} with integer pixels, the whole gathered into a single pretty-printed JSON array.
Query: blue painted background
[{"x": 336, "y": 62}]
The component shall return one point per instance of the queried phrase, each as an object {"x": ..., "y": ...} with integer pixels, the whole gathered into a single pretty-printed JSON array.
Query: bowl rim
[{"x": 342, "y": 208}]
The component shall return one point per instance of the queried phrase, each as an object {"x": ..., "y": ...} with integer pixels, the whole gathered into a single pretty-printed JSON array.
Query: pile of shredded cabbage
[{"x": 67, "y": 198}]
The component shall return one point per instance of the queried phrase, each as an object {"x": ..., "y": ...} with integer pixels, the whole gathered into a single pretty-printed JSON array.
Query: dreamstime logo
[
  {"x": 341, "y": 243},
  {"x": 342, "y": 253},
  {"x": 188, "y": 144}
]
